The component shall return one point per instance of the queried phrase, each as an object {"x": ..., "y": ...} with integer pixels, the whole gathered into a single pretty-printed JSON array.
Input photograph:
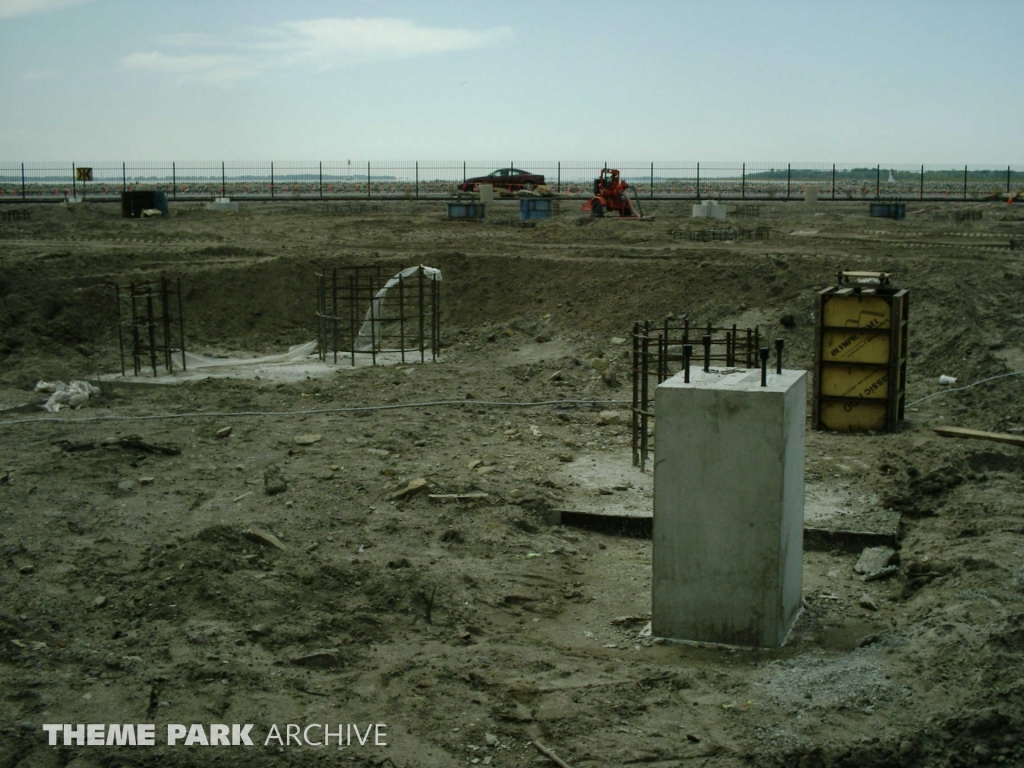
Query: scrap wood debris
[{"x": 128, "y": 441}]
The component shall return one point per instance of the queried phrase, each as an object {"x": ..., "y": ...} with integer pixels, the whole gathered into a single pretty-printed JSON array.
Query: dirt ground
[{"x": 133, "y": 588}]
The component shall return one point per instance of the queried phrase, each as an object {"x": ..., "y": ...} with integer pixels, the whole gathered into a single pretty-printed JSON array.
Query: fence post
[
  {"x": 174, "y": 180},
  {"x": 698, "y": 181},
  {"x": 558, "y": 187},
  {"x": 965, "y": 182},
  {"x": 74, "y": 182},
  {"x": 743, "y": 182},
  {"x": 878, "y": 181},
  {"x": 321, "y": 178},
  {"x": 652, "y": 181},
  {"x": 789, "y": 178},
  {"x": 124, "y": 178},
  {"x": 271, "y": 178},
  {"x": 23, "y": 180},
  {"x": 922, "y": 182},
  {"x": 222, "y": 179},
  {"x": 417, "y": 178},
  {"x": 367, "y": 178},
  {"x": 1007, "y": 178},
  {"x": 463, "y": 171},
  {"x": 833, "y": 181}
]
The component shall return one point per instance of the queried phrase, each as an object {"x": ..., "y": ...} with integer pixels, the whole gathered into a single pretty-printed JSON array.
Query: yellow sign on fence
[{"x": 83, "y": 174}]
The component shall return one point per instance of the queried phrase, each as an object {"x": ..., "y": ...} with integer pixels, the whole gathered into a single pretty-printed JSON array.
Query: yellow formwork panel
[
  {"x": 856, "y": 312},
  {"x": 854, "y": 417},
  {"x": 854, "y": 346},
  {"x": 869, "y": 383}
]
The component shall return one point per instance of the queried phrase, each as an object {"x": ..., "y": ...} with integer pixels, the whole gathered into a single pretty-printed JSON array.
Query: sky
[{"x": 913, "y": 81}]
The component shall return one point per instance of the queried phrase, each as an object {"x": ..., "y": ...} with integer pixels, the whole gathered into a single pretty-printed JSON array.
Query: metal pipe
[
  {"x": 334, "y": 313},
  {"x": 779, "y": 344},
  {"x": 401, "y": 313},
  {"x": 764, "y": 366},
  {"x": 706, "y": 341}
]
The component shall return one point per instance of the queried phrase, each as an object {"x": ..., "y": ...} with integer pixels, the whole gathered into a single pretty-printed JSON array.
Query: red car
[{"x": 511, "y": 179}]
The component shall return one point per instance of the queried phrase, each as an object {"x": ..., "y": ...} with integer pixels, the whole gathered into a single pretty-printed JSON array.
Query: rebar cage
[
  {"x": 146, "y": 313},
  {"x": 659, "y": 351},
  {"x": 365, "y": 310}
]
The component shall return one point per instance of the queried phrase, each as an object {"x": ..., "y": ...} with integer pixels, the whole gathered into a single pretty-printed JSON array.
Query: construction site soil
[{"x": 150, "y": 587}]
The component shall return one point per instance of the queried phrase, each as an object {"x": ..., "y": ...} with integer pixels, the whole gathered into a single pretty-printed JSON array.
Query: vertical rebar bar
[
  {"x": 635, "y": 370},
  {"x": 652, "y": 181},
  {"x": 368, "y": 192},
  {"x": 334, "y": 313},
  {"x": 353, "y": 298},
  {"x": 644, "y": 358},
  {"x": 23, "y": 179},
  {"x": 124, "y": 177},
  {"x": 401, "y": 314},
  {"x": 728, "y": 349},
  {"x": 120, "y": 330},
  {"x": 373, "y": 324},
  {"x": 687, "y": 355},
  {"x": 789, "y": 177},
  {"x": 558, "y": 185},
  {"x": 150, "y": 327},
  {"x": 165, "y": 306},
  {"x": 698, "y": 181},
  {"x": 749, "y": 347},
  {"x": 435, "y": 303},
  {"x": 423, "y": 356},
  {"x": 181, "y": 325},
  {"x": 136, "y": 352}
]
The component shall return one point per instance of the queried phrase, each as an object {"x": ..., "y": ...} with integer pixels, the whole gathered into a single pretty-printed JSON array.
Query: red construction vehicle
[{"x": 610, "y": 195}]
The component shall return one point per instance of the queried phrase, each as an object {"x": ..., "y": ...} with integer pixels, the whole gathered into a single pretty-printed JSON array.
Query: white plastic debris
[
  {"x": 76, "y": 394},
  {"x": 947, "y": 380}
]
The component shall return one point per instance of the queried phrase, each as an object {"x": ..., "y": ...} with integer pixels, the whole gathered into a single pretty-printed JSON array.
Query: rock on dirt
[
  {"x": 273, "y": 480},
  {"x": 873, "y": 560}
]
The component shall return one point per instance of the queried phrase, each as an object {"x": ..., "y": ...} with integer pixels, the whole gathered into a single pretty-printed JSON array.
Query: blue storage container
[
  {"x": 465, "y": 210},
  {"x": 535, "y": 208}
]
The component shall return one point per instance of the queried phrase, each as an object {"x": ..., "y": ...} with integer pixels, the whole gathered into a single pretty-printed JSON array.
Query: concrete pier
[{"x": 728, "y": 506}]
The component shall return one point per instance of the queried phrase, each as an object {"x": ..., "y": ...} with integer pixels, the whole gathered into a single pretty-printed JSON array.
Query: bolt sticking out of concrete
[
  {"x": 687, "y": 354},
  {"x": 706, "y": 340},
  {"x": 764, "y": 366},
  {"x": 779, "y": 344}
]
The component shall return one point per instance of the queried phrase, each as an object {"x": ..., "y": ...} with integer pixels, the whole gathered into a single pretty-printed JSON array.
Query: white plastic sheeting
[
  {"x": 295, "y": 354},
  {"x": 76, "y": 394},
  {"x": 369, "y": 333}
]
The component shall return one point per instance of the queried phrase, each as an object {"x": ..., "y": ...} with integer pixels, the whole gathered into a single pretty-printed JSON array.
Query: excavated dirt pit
[{"x": 145, "y": 585}]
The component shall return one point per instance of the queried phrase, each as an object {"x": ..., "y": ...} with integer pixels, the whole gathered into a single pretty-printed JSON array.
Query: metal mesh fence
[{"x": 304, "y": 180}]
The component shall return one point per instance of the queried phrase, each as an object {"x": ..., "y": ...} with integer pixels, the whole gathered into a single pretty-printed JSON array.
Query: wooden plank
[{"x": 999, "y": 437}]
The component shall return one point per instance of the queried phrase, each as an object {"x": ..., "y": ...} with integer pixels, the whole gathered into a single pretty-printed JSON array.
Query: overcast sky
[{"x": 910, "y": 81}]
